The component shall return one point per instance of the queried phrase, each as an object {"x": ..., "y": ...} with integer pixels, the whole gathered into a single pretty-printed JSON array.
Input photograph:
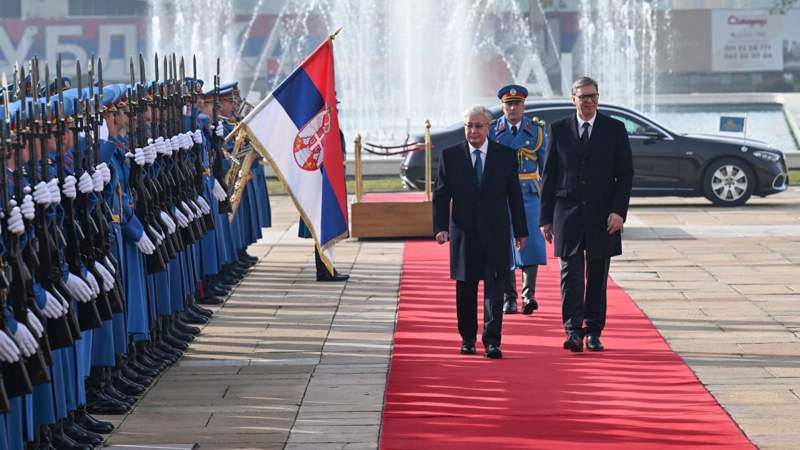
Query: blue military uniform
[{"x": 529, "y": 139}]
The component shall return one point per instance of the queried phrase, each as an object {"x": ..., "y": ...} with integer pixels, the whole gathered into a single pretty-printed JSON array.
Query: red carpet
[
  {"x": 394, "y": 197},
  {"x": 637, "y": 394}
]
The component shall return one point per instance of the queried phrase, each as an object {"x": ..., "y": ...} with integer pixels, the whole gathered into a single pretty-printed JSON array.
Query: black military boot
[{"x": 87, "y": 422}]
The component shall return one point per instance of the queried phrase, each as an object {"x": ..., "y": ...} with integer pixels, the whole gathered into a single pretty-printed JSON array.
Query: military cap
[
  {"x": 66, "y": 83},
  {"x": 512, "y": 93},
  {"x": 225, "y": 89}
]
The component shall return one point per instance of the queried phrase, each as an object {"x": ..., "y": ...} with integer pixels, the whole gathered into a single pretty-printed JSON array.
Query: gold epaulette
[{"x": 538, "y": 121}]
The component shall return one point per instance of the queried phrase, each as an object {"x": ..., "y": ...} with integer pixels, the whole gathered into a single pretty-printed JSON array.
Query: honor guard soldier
[{"x": 527, "y": 137}]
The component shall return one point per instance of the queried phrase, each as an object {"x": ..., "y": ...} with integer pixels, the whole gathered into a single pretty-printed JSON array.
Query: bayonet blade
[
  {"x": 80, "y": 81},
  {"x": 47, "y": 87},
  {"x": 5, "y": 99},
  {"x": 156, "y": 67},
  {"x": 142, "y": 76},
  {"x": 132, "y": 73},
  {"x": 99, "y": 80},
  {"x": 90, "y": 83}
]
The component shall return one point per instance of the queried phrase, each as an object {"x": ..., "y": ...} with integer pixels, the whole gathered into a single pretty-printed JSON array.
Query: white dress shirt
[{"x": 483, "y": 149}]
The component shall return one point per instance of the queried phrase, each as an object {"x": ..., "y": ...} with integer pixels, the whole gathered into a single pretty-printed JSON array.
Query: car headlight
[{"x": 767, "y": 156}]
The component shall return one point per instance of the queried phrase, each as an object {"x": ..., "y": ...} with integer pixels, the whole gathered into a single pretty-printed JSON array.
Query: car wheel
[{"x": 728, "y": 182}]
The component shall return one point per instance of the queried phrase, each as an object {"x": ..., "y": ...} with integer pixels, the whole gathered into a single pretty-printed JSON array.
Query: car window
[{"x": 632, "y": 125}]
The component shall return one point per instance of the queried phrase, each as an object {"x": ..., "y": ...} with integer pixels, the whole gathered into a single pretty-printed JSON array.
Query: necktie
[
  {"x": 585, "y": 135},
  {"x": 513, "y": 130},
  {"x": 478, "y": 167}
]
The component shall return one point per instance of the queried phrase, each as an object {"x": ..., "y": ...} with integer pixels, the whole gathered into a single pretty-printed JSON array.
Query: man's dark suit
[
  {"x": 581, "y": 186},
  {"x": 479, "y": 229}
]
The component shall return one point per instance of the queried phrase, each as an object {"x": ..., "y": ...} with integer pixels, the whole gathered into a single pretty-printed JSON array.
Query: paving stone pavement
[
  {"x": 289, "y": 363},
  {"x": 286, "y": 362},
  {"x": 722, "y": 285}
]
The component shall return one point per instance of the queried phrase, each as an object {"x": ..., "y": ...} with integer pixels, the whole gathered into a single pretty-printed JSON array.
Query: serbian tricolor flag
[{"x": 296, "y": 129}]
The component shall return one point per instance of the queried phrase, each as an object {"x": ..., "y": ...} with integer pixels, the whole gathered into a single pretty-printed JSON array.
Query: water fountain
[
  {"x": 618, "y": 49},
  {"x": 194, "y": 27},
  {"x": 398, "y": 65}
]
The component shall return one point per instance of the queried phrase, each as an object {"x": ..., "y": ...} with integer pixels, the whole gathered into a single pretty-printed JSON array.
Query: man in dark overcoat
[
  {"x": 586, "y": 189},
  {"x": 476, "y": 187}
]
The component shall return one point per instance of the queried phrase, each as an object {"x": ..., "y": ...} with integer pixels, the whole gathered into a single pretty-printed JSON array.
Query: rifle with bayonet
[
  {"x": 16, "y": 380},
  {"x": 141, "y": 196},
  {"x": 192, "y": 165},
  {"x": 217, "y": 161},
  {"x": 22, "y": 280},
  {"x": 91, "y": 124},
  {"x": 101, "y": 212},
  {"x": 66, "y": 202},
  {"x": 88, "y": 313},
  {"x": 49, "y": 258},
  {"x": 197, "y": 148}
]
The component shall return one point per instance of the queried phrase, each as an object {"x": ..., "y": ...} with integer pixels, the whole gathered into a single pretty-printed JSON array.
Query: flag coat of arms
[{"x": 296, "y": 129}]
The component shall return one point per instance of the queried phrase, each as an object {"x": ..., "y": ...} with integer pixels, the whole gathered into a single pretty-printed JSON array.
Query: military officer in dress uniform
[{"x": 527, "y": 137}]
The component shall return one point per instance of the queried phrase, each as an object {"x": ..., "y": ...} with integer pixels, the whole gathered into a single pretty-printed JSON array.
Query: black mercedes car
[{"x": 725, "y": 170}]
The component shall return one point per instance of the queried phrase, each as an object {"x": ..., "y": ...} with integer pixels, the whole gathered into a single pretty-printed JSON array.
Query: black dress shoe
[
  {"x": 211, "y": 300},
  {"x": 573, "y": 343},
  {"x": 510, "y": 307},
  {"x": 593, "y": 344},
  {"x": 185, "y": 327},
  {"x": 202, "y": 311},
  {"x": 529, "y": 307},
  {"x": 87, "y": 422},
  {"x": 493, "y": 352},
  {"x": 106, "y": 407},
  {"x": 127, "y": 386},
  {"x": 336, "y": 277},
  {"x": 467, "y": 348},
  {"x": 63, "y": 442},
  {"x": 135, "y": 377},
  {"x": 81, "y": 436}
]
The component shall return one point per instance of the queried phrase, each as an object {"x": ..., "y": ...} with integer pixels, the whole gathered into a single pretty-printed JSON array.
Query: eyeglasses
[
  {"x": 475, "y": 126},
  {"x": 588, "y": 97}
]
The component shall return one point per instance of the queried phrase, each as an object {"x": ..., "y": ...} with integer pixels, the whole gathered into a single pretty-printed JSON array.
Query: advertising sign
[{"x": 746, "y": 40}]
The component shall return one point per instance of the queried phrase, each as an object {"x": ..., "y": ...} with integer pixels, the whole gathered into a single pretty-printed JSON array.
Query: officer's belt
[{"x": 529, "y": 176}]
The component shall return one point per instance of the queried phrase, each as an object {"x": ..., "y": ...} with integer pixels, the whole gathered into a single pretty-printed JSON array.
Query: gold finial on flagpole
[{"x": 333, "y": 36}]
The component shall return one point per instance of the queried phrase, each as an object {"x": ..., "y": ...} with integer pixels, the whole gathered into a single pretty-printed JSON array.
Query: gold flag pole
[
  {"x": 428, "y": 160},
  {"x": 359, "y": 174},
  {"x": 333, "y": 36}
]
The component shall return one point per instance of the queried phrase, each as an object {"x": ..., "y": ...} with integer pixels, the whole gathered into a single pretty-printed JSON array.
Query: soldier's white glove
[
  {"x": 28, "y": 210},
  {"x": 53, "y": 309},
  {"x": 109, "y": 266},
  {"x": 105, "y": 171},
  {"x": 219, "y": 130},
  {"x": 197, "y": 136},
  {"x": 164, "y": 146},
  {"x": 41, "y": 194},
  {"x": 139, "y": 157},
  {"x": 97, "y": 181},
  {"x": 25, "y": 340},
  {"x": 218, "y": 191},
  {"x": 15, "y": 223},
  {"x": 149, "y": 154},
  {"x": 78, "y": 288},
  {"x": 183, "y": 222},
  {"x": 68, "y": 188},
  {"x": 145, "y": 245},
  {"x": 85, "y": 184},
  {"x": 92, "y": 282},
  {"x": 175, "y": 144},
  {"x": 108, "y": 279},
  {"x": 157, "y": 236},
  {"x": 62, "y": 302},
  {"x": 196, "y": 209},
  {"x": 9, "y": 352},
  {"x": 35, "y": 324},
  {"x": 189, "y": 139},
  {"x": 167, "y": 221},
  {"x": 203, "y": 204},
  {"x": 55, "y": 194},
  {"x": 187, "y": 211}
]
